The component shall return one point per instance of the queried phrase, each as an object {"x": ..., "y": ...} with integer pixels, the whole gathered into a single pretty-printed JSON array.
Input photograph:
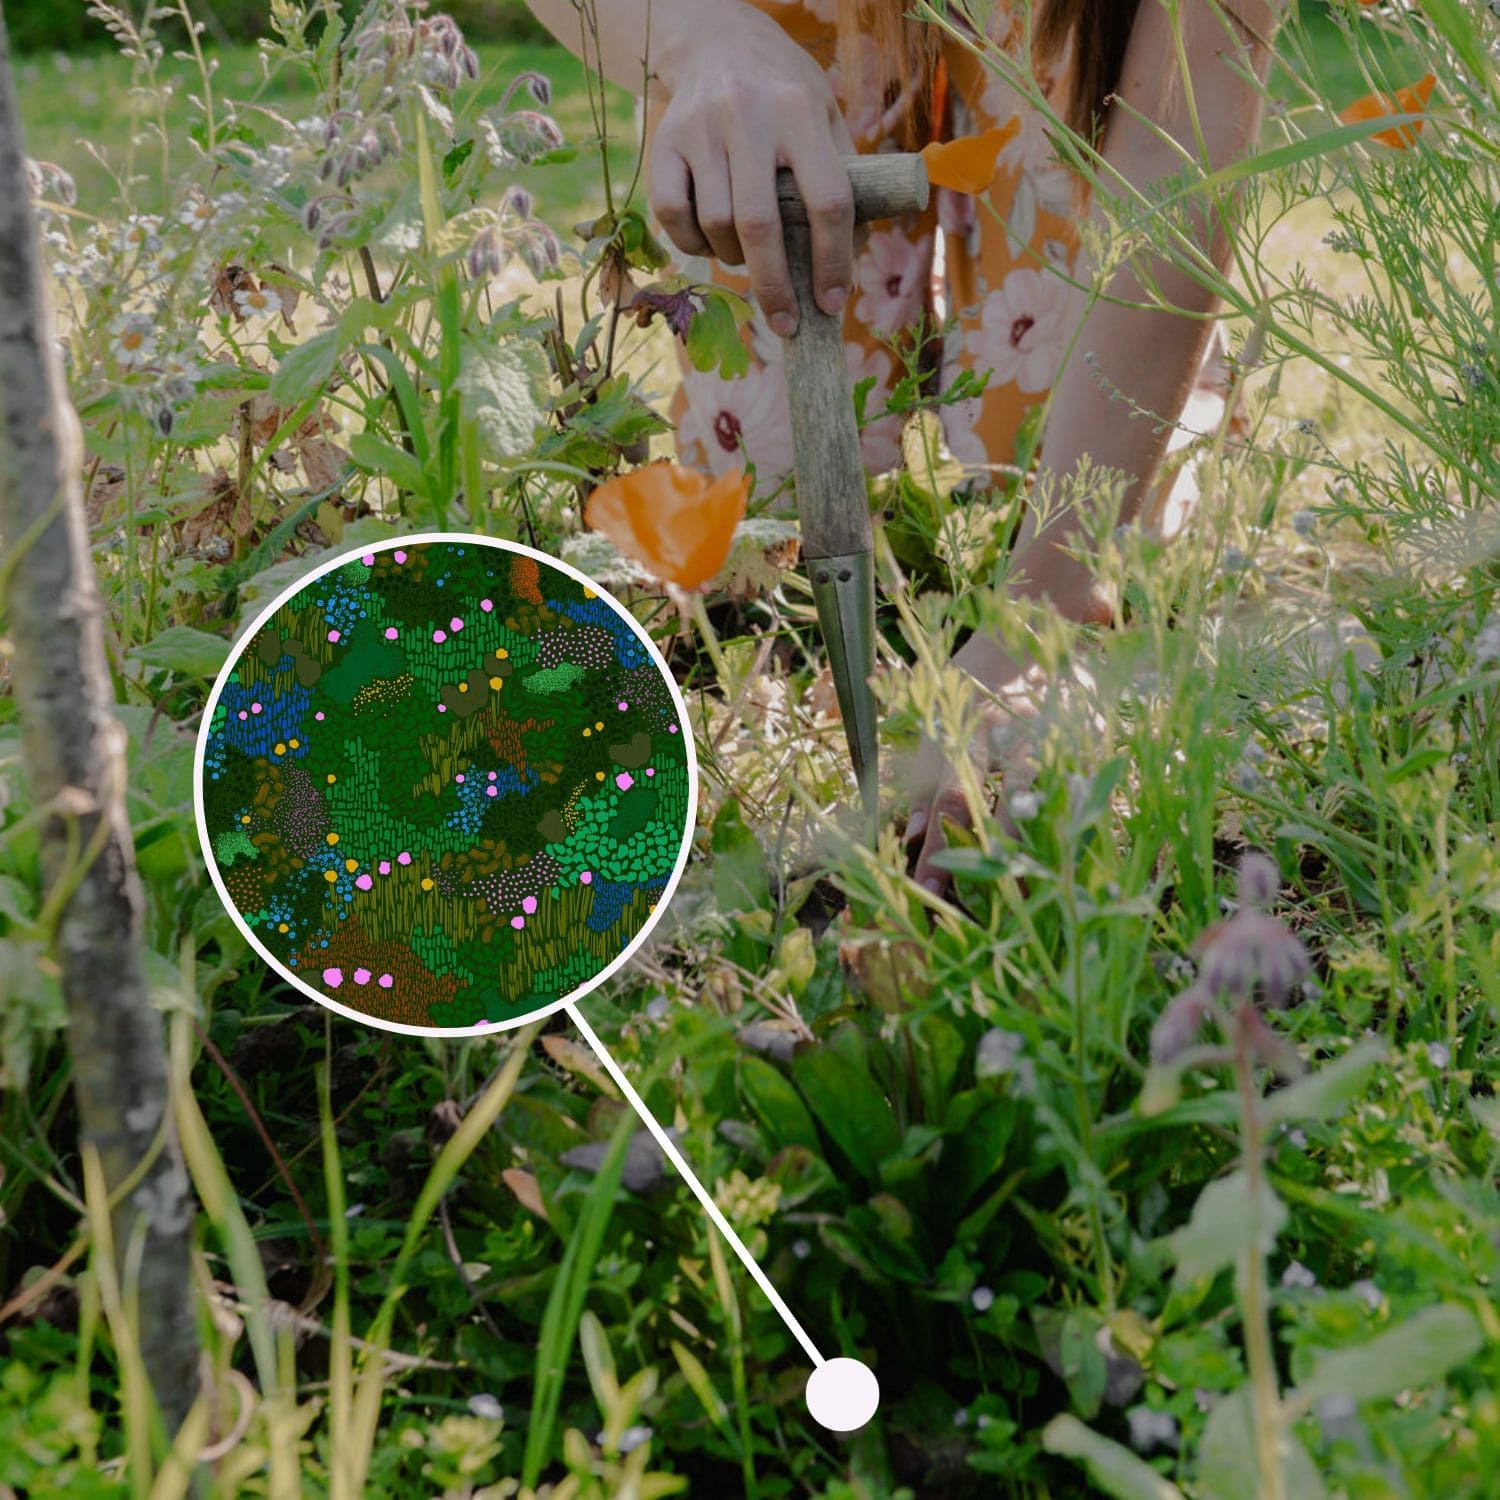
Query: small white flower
[
  {"x": 258, "y": 302},
  {"x": 484, "y": 1405},
  {"x": 138, "y": 235},
  {"x": 982, "y": 1298},
  {"x": 134, "y": 340},
  {"x": 1024, "y": 806},
  {"x": 633, "y": 1437},
  {"x": 1298, "y": 1277}
]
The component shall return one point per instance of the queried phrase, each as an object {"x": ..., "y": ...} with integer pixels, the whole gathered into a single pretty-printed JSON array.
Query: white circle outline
[{"x": 418, "y": 539}]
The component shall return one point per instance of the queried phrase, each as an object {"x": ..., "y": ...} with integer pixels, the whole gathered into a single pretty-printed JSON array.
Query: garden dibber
[{"x": 837, "y": 541}]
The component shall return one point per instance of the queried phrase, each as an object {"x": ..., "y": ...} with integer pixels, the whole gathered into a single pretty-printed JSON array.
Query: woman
[{"x": 741, "y": 87}]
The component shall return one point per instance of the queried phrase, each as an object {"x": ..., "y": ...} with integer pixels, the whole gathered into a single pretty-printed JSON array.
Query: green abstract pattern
[{"x": 445, "y": 784}]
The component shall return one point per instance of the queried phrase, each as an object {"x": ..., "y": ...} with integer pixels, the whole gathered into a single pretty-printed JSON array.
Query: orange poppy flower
[
  {"x": 675, "y": 522},
  {"x": 1408, "y": 101},
  {"x": 968, "y": 163}
]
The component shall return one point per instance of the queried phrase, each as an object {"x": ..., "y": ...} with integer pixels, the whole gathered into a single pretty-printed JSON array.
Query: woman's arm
[
  {"x": 740, "y": 99},
  {"x": 1150, "y": 355}
]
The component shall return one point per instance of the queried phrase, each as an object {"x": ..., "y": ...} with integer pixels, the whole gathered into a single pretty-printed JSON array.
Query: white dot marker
[{"x": 842, "y": 1394}]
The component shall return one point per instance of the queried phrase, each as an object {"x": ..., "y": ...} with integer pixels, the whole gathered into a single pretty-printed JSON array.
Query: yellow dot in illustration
[
  {"x": 599, "y": 725},
  {"x": 587, "y": 733},
  {"x": 245, "y": 818},
  {"x": 598, "y": 775},
  {"x": 427, "y": 882},
  {"x": 333, "y": 838},
  {"x": 330, "y": 876},
  {"x": 281, "y": 749},
  {"x": 588, "y": 593},
  {"x": 463, "y": 687},
  {"x": 496, "y": 682},
  {"x": 294, "y": 743},
  {"x": 351, "y": 865},
  {"x": 502, "y": 653},
  {"x": 331, "y": 778},
  {"x": 281, "y": 927}
]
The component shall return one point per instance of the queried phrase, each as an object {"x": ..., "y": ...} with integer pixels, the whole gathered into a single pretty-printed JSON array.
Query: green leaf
[
  {"x": 741, "y": 882},
  {"x": 1226, "y": 1220},
  {"x": 1069, "y": 1342},
  {"x": 305, "y": 368},
  {"x": 1417, "y": 1352},
  {"x": 703, "y": 1388},
  {"x": 1226, "y": 1456},
  {"x": 1116, "y": 1470},
  {"x": 1327, "y": 1092},
  {"x": 777, "y": 1105},
  {"x": 713, "y": 340},
  {"x": 183, "y": 650},
  {"x": 849, "y": 1107},
  {"x": 939, "y": 1050},
  {"x": 376, "y": 456},
  {"x": 500, "y": 383}
]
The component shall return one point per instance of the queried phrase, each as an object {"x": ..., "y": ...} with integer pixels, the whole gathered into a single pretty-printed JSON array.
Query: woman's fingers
[
  {"x": 671, "y": 199},
  {"x": 714, "y": 206},
  {"x": 757, "y": 222}
]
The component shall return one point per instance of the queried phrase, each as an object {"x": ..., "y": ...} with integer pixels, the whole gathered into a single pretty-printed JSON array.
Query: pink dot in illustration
[
  {"x": 623, "y": 705},
  {"x": 518, "y": 921},
  {"x": 243, "y": 714},
  {"x": 319, "y": 716},
  {"x": 459, "y": 778},
  {"x": 455, "y": 623},
  {"x": 651, "y": 770},
  {"x": 368, "y": 559},
  {"x": 255, "y": 708},
  {"x": 385, "y": 981},
  {"x": 671, "y": 729},
  {"x": 440, "y": 636},
  {"x": 529, "y": 905},
  {"x": 486, "y": 605},
  {"x": 491, "y": 791},
  {"x": 391, "y": 632},
  {"x": 442, "y": 708},
  {"x": 587, "y": 878},
  {"x": 403, "y": 858},
  {"x": 492, "y": 775},
  {"x": 624, "y": 781},
  {"x": 384, "y": 867},
  {"x": 365, "y": 882},
  {"x": 482, "y": 1021},
  {"x": 333, "y": 635},
  {"x": 361, "y": 976},
  {"x": 333, "y": 978},
  {"x": 400, "y": 557}
]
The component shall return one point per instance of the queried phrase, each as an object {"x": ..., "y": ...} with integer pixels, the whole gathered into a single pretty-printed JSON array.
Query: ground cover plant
[{"x": 1157, "y": 1160}]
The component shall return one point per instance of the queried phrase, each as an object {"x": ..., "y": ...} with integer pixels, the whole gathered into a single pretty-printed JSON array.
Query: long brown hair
[{"x": 908, "y": 52}]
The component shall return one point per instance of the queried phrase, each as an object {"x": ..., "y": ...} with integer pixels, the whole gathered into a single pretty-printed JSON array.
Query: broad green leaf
[
  {"x": 777, "y": 1105},
  {"x": 1227, "y": 1220},
  {"x": 739, "y": 867},
  {"x": 1325, "y": 1093},
  {"x": 1226, "y": 1456},
  {"x": 939, "y": 1051},
  {"x": 376, "y": 456},
  {"x": 848, "y": 1106},
  {"x": 1069, "y": 1343},
  {"x": 714, "y": 343},
  {"x": 500, "y": 384},
  {"x": 703, "y": 1388},
  {"x": 1417, "y": 1352},
  {"x": 1116, "y": 1470},
  {"x": 181, "y": 649},
  {"x": 305, "y": 368}
]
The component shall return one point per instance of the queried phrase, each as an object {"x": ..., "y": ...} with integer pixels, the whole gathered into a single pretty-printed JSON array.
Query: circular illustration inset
[{"x": 445, "y": 784}]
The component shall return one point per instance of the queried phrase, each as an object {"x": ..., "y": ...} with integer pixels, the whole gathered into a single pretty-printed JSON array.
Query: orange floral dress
[{"x": 991, "y": 274}]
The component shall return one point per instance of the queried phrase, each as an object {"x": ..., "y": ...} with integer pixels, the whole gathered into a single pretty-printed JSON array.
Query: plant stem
[{"x": 1265, "y": 1395}]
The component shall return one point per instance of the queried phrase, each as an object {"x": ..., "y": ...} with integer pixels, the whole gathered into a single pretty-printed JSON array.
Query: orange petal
[
  {"x": 1408, "y": 101},
  {"x": 675, "y": 522},
  {"x": 968, "y": 163}
]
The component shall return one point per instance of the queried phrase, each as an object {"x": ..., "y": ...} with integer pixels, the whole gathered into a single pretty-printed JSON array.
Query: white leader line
[{"x": 680, "y": 1162}]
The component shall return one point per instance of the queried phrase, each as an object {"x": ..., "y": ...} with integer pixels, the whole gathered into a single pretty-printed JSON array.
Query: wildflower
[
  {"x": 982, "y": 1298},
  {"x": 1251, "y": 953},
  {"x": 1297, "y": 1277},
  {"x": 1368, "y": 1293},
  {"x": 801, "y": 1249},
  {"x": 1151, "y": 1429},
  {"x": 486, "y": 256},
  {"x": 197, "y": 213},
  {"x": 997, "y": 1053},
  {"x": 484, "y": 1405},
  {"x": 1438, "y": 1055},
  {"x": 1258, "y": 880},
  {"x": 1305, "y": 522},
  {"x": 1233, "y": 560},
  {"x": 1178, "y": 1024},
  {"x": 256, "y": 302},
  {"x": 657, "y": 1007},
  {"x": 138, "y": 234},
  {"x": 1245, "y": 777},
  {"x": 134, "y": 339},
  {"x": 961, "y": 1417},
  {"x": 634, "y": 1437}
]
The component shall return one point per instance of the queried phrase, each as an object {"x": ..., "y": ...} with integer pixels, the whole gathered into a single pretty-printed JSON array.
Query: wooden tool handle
[{"x": 885, "y": 185}]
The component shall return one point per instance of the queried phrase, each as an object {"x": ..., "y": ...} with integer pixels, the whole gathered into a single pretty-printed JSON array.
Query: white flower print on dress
[
  {"x": 890, "y": 276},
  {"x": 1020, "y": 330},
  {"x": 739, "y": 420},
  {"x": 861, "y": 99}
]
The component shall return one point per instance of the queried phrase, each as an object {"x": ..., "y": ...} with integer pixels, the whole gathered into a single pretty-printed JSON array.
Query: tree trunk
[{"x": 74, "y": 751}]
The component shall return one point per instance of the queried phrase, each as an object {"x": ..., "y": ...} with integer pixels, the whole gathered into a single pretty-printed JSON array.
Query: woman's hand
[{"x": 745, "y": 99}]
